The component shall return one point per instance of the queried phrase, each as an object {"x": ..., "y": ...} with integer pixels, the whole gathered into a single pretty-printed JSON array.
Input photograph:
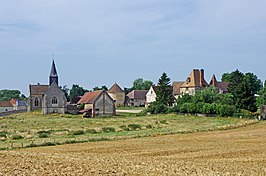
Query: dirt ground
[{"x": 233, "y": 152}]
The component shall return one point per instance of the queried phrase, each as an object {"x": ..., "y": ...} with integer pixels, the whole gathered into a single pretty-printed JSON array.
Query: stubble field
[{"x": 239, "y": 151}]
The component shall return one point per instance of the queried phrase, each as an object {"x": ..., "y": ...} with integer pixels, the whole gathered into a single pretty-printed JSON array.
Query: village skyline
[{"x": 100, "y": 43}]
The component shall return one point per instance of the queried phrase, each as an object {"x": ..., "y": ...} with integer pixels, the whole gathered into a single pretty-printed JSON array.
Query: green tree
[
  {"x": 140, "y": 84},
  {"x": 243, "y": 87},
  {"x": 76, "y": 91},
  {"x": 100, "y": 88},
  {"x": 261, "y": 99},
  {"x": 6, "y": 95},
  {"x": 164, "y": 90}
]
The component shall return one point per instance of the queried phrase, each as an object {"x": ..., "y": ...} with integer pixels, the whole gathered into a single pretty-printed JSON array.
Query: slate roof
[
  {"x": 137, "y": 94},
  {"x": 6, "y": 104},
  {"x": 38, "y": 89},
  {"x": 115, "y": 89},
  {"x": 176, "y": 87},
  {"x": 89, "y": 97},
  {"x": 53, "y": 70}
]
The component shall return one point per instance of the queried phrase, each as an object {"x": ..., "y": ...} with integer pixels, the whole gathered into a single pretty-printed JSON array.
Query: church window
[
  {"x": 54, "y": 100},
  {"x": 36, "y": 102}
]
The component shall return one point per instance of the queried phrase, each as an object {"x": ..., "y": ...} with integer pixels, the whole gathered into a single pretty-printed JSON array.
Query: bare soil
[{"x": 239, "y": 151}]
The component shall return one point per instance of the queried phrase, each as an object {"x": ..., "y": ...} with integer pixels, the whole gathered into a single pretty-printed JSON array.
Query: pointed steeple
[
  {"x": 214, "y": 81},
  {"x": 53, "y": 70},
  {"x": 53, "y": 75}
]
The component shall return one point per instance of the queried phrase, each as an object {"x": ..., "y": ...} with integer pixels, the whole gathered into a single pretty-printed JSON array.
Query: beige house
[
  {"x": 194, "y": 82},
  {"x": 136, "y": 98},
  {"x": 97, "y": 103},
  {"x": 13, "y": 105},
  {"x": 177, "y": 88},
  {"x": 117, "y": 94}
]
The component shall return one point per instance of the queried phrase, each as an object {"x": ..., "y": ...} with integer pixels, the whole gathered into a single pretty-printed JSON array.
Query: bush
[
  {"x": 16, "y": 137},
  {"x": 3, "y": 134},
  {"x": 225, "y": 110},
  {"x": 43, "y": 135},
  {"x": 149, "y": 126},
  {"x": 91, "y": 131},
  {"x": 78, "y": 132},
  {"x": 108, "y": 129},
  {"x": 157, "y": 108},
  {"x": 134, "y": 126}
]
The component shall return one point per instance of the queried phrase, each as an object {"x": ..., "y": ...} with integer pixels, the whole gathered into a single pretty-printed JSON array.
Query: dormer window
[
  {"x": 188, "y": 80},
  {"x": 54, "y": 100}
]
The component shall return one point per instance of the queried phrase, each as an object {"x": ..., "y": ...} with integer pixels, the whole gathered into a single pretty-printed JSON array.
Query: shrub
[
  {"x": 78, "y": 132},
  {"x": 149, "y": 126},
  {"x": 16, "y": 137},
  {"x": 134, "y": 126},
  {"x": 43, "y": 135},
  {"x": 3, "y": 134},
  {"x": 91, "y": 131},
  {"x": 108, "y": 129},
  {"x": 157, "y": 108},
  {"x": 225, "y": 110}
]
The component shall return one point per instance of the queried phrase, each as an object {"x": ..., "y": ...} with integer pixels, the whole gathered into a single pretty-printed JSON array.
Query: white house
[{"x": 151, "y": 95}]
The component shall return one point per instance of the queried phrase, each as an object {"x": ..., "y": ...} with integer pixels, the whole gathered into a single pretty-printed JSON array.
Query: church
[{"x": 48, "y": 98}]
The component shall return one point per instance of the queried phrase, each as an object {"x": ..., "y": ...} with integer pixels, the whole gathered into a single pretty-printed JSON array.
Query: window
[
  {"x": 54, "y": 100},
  {"x": 36, "y": 102}
]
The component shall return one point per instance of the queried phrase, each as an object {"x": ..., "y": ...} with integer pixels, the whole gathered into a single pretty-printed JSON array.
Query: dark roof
[
  {"x": 137, "y": 94},
  {"x": 89, "y": 97},
  {"x": 38, "y": 89},
  {"x": 53, "y": 70},
  {"x": 223, "y": 86},
  {"x": 6, "y": 104},
  {"x": 115, "y": 89},
  {"x": 176, "y": 87}
]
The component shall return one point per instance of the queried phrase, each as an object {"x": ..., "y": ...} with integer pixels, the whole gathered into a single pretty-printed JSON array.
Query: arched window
[
  {"x": 36, "y": 102},
  {"x": 54, "y": 100}
]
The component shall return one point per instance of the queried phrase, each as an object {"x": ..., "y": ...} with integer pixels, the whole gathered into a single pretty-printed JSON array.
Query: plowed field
[{"x": 240, "y": 151}]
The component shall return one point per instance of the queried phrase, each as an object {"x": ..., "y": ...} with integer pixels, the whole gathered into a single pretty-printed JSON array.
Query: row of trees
[
  {"x": 6, "y": 95},
  {"x": 246, "y": 92}
]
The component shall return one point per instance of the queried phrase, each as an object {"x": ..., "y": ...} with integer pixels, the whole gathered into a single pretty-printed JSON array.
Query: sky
[{"x": 100, "y": 42}]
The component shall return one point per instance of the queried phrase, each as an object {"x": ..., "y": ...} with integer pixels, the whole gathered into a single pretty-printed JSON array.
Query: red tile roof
[
  {"x": 89, "y": 97},
  {"x": 6, "y": 104},
  {"x": 38, "y": 89}
]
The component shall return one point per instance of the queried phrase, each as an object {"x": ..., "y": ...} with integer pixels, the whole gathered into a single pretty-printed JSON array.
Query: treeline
[
  {"x": 246, "y": 94},
  {"x": 6, "y": 95}
]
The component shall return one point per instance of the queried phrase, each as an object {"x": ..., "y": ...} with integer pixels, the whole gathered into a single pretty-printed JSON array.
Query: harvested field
[{"x": 239, "y": 151}]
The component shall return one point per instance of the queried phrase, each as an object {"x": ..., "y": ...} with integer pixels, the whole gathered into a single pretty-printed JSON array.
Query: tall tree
[
  {"x": 164, "y": 90},
  {"x": 66, "y": 91},
  {"x": 140, "y": 84},
  {"x": 76, "y": 91},
  {"x": 243, "y": 87},
  {"x": 261, "y": 99}
]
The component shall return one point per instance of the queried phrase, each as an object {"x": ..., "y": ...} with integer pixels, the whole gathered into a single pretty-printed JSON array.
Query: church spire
[{"x": 53, "y": 75}]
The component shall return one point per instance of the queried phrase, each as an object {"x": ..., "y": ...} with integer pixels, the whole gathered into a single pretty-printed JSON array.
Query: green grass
[
  {"x": 34, "y": 129},
  {"x": 130, "y": 108}
]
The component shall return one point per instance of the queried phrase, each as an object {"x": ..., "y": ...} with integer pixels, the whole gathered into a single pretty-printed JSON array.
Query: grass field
[
  {"x": 233, "y": 152},
  {"x": 34, "y": 129}
]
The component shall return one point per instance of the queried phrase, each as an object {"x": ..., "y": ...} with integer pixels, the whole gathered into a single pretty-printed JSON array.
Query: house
[
  {"x": 48, "y": 98},
  {"x": 222, "y": 87},
  {"x": 194, "y": 82},
  {"x": 136, "y": 98},
  {"x": 117, "y": 94},
  {"x": 177, "y": 88},
  {"x": 151, "y": 95},
  {"x": 6, "y": 106},
  {"x": 13, "y": 105},
  {"x": 97, "y": 103}
]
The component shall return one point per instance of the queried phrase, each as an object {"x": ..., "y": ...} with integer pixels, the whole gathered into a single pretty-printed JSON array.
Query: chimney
[{"x": 202, "y": 83}]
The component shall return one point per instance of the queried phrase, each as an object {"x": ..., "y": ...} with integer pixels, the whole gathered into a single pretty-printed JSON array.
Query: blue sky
[{"x": 99, "y": 42}]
